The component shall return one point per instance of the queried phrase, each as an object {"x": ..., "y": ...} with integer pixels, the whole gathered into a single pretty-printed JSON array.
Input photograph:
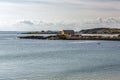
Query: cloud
[
  {"x": 102, "y": 0},
  {"x": 93, "y": 0},
  {"x": 35, "y": 25},
  {"x": 103, "y": 22},
  {"x": 110, "y": 20},
  {"x": 40, "y": 25},
  {"x": 34, "y": 1},
  {"x": 26, "y": 23}
]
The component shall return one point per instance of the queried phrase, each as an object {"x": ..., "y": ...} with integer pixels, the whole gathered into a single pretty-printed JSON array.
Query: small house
[{"x": 70, "y": 32}]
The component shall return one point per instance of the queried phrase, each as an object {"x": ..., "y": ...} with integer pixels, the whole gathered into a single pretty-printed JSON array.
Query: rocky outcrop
[{"x": 70, "y": 38}]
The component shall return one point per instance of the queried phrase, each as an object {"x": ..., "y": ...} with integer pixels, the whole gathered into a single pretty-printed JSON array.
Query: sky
[{"x": 37, "y": 15}]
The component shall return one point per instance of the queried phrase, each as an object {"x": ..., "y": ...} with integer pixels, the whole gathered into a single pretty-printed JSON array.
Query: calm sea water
[{"x": 58, "y": 59}]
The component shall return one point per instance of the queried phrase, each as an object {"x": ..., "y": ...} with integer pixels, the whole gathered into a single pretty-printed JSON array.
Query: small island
[{"x": 88, "y": 34}]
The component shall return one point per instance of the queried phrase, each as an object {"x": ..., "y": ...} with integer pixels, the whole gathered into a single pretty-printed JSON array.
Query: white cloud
[
  {"x": 58, "y": 14},
  {"x": 36, "y": 25},
  {"x": 104, "y": 22},
  {"x": 28, "y": 23},
  {"x": 40, "y": 25}
]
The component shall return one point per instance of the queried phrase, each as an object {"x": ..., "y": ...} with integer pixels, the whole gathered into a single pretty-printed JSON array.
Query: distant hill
[{"x": 101, "y": 31}]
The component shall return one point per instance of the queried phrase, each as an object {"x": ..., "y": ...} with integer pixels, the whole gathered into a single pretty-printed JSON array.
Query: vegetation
[
  {"x": 42, "y": 32},
  {"x": 78, "y": 37},
  {"x": 63, "y": 36},
  {"x": 101, "y": 31}
]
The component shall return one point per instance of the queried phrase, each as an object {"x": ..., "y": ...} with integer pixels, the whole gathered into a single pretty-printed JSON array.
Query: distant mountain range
[{"x": 101, "y": 31}]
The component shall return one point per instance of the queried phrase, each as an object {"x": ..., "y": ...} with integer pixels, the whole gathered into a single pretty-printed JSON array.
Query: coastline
[
  {"x": 88, "y": 34},
  {"x": 70, "y": 38}
]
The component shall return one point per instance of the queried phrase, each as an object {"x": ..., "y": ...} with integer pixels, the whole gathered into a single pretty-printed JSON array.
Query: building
[{"x": 70, "y": 32}]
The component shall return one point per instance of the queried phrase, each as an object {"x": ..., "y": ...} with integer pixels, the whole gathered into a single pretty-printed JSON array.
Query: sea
[{"x": 27, "y": 59}]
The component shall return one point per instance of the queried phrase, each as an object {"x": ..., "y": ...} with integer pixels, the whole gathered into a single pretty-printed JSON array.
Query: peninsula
[{"x": 88, "y": 34}]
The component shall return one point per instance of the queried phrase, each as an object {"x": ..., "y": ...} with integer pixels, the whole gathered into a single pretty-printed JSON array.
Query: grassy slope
[{"x": 102, "y": 31}]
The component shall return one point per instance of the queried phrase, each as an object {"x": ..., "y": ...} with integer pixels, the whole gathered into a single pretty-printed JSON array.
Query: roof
[{"x": 68, "y": 31}]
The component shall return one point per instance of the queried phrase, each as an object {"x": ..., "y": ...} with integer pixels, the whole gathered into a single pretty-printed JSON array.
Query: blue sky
[{"x": 58, "y": 14}]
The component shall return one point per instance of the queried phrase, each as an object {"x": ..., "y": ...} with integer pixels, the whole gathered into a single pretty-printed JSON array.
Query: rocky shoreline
[
  {"x": 73, "y": 35},
  {"x": 61, "y": 37}
]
